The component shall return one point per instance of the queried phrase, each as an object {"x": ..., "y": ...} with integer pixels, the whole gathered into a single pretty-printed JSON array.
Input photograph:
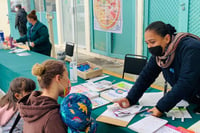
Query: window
[
  {"x": 50, "y": 6},
  {"x": 25, "y": 4},
  {"x": 39, "y": 5}
]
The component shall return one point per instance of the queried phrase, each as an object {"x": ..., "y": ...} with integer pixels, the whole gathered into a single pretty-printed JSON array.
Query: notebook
[
  {"x": 98, "y": 102},
  {"x": 122, "y": 85},
  {"x": 98, "y": 86},
  {"x": 85, "y": 91},
  {"x": 149, "y": 124},
  {"x": 113, "y": 95}
]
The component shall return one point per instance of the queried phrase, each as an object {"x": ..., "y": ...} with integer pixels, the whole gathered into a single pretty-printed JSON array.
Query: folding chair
[{"x": 134, "y": 64}]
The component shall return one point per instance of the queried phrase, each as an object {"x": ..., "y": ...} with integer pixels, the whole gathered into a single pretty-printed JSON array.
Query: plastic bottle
[
  {"x": 11, "y": 42},
  {"x": 73, "y": 71},
  {"x": 1, "y": 43}
]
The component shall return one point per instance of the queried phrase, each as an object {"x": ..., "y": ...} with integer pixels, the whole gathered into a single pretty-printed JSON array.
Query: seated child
[
  {"x": 19, "y": 87},
  {"x": 76, "y": 111}
]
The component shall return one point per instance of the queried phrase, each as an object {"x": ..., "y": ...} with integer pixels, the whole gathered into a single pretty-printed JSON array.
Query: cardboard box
[{"x": 94, "y": 70}]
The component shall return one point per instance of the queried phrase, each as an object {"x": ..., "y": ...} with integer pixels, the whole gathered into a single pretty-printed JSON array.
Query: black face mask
[{"x": 156, "y": 51}]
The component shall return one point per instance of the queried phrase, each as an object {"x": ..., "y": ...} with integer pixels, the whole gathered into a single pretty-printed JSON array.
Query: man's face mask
[
  {"x": 16, "y": 9},
  {"x": 156, "y": 51}
]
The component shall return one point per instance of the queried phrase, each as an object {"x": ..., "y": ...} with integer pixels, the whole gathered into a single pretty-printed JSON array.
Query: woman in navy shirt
[{"x": 178, "y": 57}]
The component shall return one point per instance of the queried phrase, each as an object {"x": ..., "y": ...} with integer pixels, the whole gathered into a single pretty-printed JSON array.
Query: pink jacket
[{"x": 6, "y": 115}]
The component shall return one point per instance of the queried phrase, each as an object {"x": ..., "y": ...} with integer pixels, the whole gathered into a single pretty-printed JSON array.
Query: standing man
[{"x": 20, "y": 20}]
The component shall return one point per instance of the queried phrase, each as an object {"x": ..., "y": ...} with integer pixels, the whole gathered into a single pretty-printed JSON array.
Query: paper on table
[
  {"x": 85, "y": 91},
  {"x": 179, "y": 113},
  {"x": 114, "y": 95},
  {"x": 155, "y": 97},
  {"x": 120, "y": 121},
  {"x": 98, "y": 86},
  {"x": 195, "y": 127},
  {"x": 24, "y": 54},
  {"x": 182, "y": 103},
  {"x": 97, "y": 78},
  {"x": 148, "y": 124},
  {"x": 98, "y": 102},
  {"x": 168, "y": 129},
  {"x": 17, "y": 50},
  {"x": 122, "y": 85},
  {"x": 150, "y": 99}
]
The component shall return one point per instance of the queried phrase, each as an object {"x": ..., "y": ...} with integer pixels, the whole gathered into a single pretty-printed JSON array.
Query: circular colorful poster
[{"x": 107, "y": 12}]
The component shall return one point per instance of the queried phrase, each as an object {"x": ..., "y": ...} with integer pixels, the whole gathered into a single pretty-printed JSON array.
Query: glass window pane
[
  {"x": 81, "y": 22},
  {"x": 67, "y": 21},
  {"x": 25, "y": 4},
  {"x": 50, "y": 5},
  {"x": 39, "y": 5}
]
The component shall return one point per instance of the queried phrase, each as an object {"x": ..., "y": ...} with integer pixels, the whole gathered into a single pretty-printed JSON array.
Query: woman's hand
[
  {"x": 14, "y": 41},
  {"x": 32, "y": 44},
  {"x": 155, "y": 112},
  {"x": 124, "y": 103}
]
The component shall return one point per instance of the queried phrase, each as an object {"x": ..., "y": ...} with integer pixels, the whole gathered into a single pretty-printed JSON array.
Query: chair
[{"x": 134, "y": 64}]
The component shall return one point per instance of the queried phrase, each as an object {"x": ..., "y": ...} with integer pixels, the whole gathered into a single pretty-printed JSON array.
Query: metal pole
[
  {"x": 50, "y": 18},
  {"x": 75, "y": 30}
]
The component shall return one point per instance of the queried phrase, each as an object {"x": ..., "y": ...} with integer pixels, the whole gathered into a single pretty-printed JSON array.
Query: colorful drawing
[{"x": 108, "y": 15}]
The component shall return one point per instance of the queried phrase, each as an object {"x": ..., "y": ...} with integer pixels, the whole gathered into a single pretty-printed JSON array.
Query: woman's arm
[{"x": 145, "y": 79}]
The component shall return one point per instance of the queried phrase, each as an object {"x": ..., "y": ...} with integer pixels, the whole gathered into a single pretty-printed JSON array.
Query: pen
[
  {"x": 141, "y": 111},
  {"x": 121, "y": 113}
]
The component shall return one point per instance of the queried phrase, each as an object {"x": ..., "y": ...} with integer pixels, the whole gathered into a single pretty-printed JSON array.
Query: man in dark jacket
[{"x": 21, "y": 20}]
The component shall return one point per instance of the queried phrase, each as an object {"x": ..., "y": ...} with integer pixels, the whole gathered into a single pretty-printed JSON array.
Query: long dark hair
[{"x": 17, "y": 86}]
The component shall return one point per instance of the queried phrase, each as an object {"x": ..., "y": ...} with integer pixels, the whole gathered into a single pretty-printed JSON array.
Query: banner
[{"x": 108, "y": 15}]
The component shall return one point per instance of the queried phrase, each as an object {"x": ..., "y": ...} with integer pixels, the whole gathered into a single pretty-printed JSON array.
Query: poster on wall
[{"x": 108, "y": 15}]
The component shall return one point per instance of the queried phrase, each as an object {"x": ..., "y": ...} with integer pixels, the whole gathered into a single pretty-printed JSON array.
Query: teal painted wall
[
  {"x": 112, "y": 44},
  {"x": 194, "y": 17},
  {"x": 174, "y": 12}
]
